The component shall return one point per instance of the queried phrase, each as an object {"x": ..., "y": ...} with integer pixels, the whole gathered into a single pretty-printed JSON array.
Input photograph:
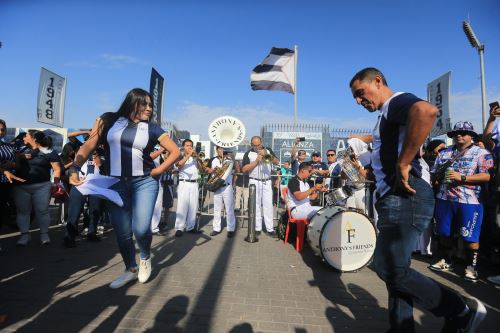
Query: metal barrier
[
  {"x": 206, "y": 203},
  {"x": 252, "y": 205}
]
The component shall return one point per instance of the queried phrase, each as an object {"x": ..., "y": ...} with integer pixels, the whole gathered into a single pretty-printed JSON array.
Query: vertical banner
[
  {"x": 51, "y": 95},
  {"x": 156, "y": 91},
  {"x": 438, "y": 94}
]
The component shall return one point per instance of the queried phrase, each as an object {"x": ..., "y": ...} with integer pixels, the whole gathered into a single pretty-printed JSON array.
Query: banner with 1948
[
  {"x": 438, "y": 94},
  {"x": 51, "y": 95}
]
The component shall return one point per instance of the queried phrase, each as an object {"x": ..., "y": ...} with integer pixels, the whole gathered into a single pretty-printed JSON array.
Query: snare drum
[
  {"x": 338, "y": 196},
  {"x": 344, "y": 238}
]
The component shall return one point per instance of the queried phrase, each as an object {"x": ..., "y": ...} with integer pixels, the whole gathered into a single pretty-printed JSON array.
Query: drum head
[{"x": 347, "y": 241}]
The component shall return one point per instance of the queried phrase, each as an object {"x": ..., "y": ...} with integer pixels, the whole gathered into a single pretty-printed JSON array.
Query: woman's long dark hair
[
  {"x": 128, "y": 110},
  {"x": 68, "y": 153},
  {"x": 40, "y": 138}
]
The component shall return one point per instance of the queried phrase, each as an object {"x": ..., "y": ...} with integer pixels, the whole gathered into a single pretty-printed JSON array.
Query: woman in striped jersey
[{"x": 129, "y": 138}]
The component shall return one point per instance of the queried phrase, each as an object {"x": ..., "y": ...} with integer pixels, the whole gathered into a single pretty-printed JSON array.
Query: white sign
[
  {"x": 294, "y": 135},
  {"x": 51, "y": 95},
  {"x": 438, "y": 94}
]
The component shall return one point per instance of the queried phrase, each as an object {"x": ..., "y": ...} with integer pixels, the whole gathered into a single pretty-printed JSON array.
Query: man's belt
[
  {"x": 260, "y": 180},
  {"x": 188, "y": 180}
]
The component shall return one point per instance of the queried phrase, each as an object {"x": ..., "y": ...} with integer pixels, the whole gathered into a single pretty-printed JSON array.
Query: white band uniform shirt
[
  {"x": 300, "y": 208},
  {"x": 187, "y": 196},
  {"x": 223, "y": 196},
  {"x": 260, "y": 176}
]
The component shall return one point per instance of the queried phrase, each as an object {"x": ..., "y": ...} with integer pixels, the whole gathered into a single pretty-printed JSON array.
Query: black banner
[{"x": 156, "y": 91}]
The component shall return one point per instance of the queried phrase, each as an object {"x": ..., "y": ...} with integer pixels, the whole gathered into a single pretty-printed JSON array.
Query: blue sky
[{"x": 206, "y": 50}]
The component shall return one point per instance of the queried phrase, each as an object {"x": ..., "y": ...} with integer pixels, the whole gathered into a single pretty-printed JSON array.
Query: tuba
[
  {"x": 354, "y": 177},
  {"x": 226, "y": 132}
]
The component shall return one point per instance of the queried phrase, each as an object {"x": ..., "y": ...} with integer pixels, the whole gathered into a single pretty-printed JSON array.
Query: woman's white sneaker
[
  {"x": 123, "y": 279},
  {"x": 144, "y": 270}
]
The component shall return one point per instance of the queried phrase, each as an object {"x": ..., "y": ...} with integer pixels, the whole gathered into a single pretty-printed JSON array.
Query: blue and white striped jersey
[
  {"x": 388, "y": 138},
  {"x": 128, "y": 146}
]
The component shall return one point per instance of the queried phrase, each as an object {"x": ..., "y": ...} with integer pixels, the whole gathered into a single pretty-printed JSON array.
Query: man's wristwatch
[{"x": 463, "y": 178}]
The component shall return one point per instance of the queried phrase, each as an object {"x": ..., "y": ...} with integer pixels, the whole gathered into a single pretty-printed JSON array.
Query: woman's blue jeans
[
  {"x": 401, "y": 220},
  {"x": 134, "y": 218}
]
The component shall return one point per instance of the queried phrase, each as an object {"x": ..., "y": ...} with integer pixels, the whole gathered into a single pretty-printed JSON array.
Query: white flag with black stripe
[{"x": 276, "y": 72}]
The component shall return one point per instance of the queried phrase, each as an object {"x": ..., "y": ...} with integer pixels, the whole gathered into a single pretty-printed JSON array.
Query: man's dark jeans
[
  {"x": 75, "y": 203},
  {"x": 401, "y": 220}
]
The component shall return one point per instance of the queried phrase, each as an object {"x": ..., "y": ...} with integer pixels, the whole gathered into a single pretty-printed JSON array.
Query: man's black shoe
[
  {"x": 178, "y": 233},
  {"x": 230, "y": 234},
  {"x": 271, "y": 234},
  {"x": 193, "y": 231},
  {"x": 69, "y": 242},
  {"x": 160, "y": 233},
  {"x": 93, "y": 238},
  {"x": 214, "y": 233}
]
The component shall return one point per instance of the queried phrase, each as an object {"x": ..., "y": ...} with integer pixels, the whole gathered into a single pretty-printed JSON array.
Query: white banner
[
  {"x": 51, "y": 95},
  {"x": 438, "y": 94}
]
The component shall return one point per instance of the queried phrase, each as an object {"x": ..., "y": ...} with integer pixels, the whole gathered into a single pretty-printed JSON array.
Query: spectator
[
  {"x": 334, "y": 169},
  {"x": 34, "y": 165},
  {"x": 491, "y": 139},
  {"x": 297, "y": 159},
  {"x": 7, "y": 154},
  {"x": 458, "y": 199}
]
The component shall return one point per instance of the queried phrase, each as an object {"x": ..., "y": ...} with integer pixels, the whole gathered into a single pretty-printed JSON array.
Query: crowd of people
[{"x": 442, "y": 194}]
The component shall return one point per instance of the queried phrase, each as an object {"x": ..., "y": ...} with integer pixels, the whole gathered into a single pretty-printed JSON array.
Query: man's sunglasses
[{"x": 330, "y": 155}]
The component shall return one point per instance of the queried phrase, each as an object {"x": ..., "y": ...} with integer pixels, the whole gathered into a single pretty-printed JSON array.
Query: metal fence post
[{"x": 251, "y": 238}]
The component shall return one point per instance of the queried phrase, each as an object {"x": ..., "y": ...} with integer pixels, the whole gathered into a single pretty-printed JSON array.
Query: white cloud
[
  {"x": 107, "y": 60},
  {"x": 467, "y": 106},
  {"x": 120, "y": 60},
  {"x": 195, "y": 118}
]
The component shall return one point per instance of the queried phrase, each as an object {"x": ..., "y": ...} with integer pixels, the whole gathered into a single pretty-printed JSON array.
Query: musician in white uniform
[
  {"x": 223, "y": 195},
  {"x": 260, "y": 175},
  {"x": 300, "y": 193},
  {"x": 187, "y": 190}
]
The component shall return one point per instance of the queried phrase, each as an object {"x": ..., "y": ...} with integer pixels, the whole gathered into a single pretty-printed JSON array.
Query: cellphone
[
  {"x": 302, "y": 138},
  {"x": 494, "y": 105}
]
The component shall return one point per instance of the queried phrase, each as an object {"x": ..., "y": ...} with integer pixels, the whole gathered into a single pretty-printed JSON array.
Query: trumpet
[
  {"x": 268, "y": 158},
  {"x": 200, "y": 155}
]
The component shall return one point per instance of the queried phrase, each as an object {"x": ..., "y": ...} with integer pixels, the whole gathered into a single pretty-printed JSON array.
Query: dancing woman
[{"x": 129, "y": 138}]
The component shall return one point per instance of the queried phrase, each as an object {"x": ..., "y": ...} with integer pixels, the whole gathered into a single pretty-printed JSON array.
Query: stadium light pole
[{"x": 471, "y": 36}]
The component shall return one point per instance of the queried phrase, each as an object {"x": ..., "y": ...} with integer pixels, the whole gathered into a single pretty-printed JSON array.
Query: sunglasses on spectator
[
  {"x": 461, "y": 133},
  {"x": 330, "y": 155}
]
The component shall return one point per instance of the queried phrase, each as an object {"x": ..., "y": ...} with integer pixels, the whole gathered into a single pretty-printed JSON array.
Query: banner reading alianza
[
  {"x": 51, "y": 96},
  {"x": 438, "y": 94},
  {"x": 156, "y": 91}
]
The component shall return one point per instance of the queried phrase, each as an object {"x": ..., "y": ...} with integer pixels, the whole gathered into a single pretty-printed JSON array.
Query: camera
[
  {"x": 301, "y": 138},
  {"x": 494, "y": 105},
  {"x": 198, "y": 147}
]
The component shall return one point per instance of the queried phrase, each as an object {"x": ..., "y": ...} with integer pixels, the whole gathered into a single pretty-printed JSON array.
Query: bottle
[{"x": 446, "y": 179}]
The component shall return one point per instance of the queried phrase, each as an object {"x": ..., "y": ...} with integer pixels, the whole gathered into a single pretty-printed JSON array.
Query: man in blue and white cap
[{"x": 458, "y": 201}]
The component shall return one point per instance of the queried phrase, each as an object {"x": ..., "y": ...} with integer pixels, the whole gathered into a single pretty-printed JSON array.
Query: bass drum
[{"x": 344, "y": 238}]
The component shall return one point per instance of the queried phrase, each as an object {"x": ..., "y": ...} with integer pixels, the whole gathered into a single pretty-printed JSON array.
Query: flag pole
[{"x": 295, "y": 88}]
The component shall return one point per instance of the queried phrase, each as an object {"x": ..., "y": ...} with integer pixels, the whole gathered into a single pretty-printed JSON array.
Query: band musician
[
  {"x": 225, "y": 194},
  {"x": 258, "y": 163},
  {"x": 300, "y": 193},
  {"x": 188, "y": 166}
]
